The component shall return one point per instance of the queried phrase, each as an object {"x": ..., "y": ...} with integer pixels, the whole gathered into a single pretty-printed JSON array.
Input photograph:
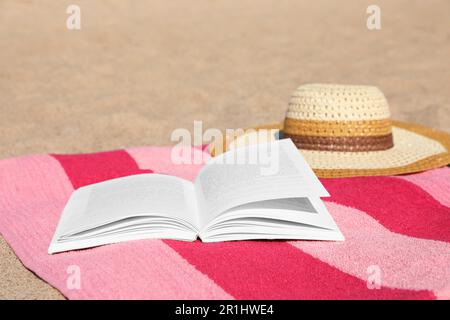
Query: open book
[{"x": 263, "y": 191}]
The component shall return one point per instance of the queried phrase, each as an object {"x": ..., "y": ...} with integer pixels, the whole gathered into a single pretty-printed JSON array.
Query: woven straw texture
[
  {"x": 337, "y": 102},
  {"x": 338, "y": 128},
  {"x": 340, "y": 118},
  {"x": 346, "y": 130},
  {"x": 416, "y": 148}
]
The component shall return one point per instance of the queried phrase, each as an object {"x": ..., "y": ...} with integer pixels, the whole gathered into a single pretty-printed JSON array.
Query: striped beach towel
[{"x": 397, "y": 245}]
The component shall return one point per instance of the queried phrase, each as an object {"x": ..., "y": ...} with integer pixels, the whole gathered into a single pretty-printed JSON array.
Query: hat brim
[{"x": 416, "y": 148}]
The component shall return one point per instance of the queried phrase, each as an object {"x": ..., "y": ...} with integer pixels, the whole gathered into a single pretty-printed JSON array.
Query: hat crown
[
  {"x": 338, "y": 102},
  {"x": 339, "y": 118}
]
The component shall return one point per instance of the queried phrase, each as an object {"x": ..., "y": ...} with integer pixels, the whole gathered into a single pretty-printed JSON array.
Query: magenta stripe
[
  {"x": 404, "y": 262},
  {"x": 88, "y": 168},
  {"x": 146, "y": 269},
  {"x": 397, "y": 204},
  {"x": 260, "y": 269},
  {"x": 159, "y": 159},
  {"x": 277, "y": 270}
]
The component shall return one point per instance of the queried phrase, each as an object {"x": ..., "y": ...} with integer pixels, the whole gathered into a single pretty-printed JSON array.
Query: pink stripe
[
  {"x": 405, "y": 262},
  {"x": 435, "y": 182},
  {"x": 397, "y": 204},
  {"x": 134, "y": 270},
  {"x": 33, "y": 193}
]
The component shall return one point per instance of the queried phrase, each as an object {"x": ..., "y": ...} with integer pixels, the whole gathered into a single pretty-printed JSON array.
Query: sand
[{"x": 139, "y": 69}]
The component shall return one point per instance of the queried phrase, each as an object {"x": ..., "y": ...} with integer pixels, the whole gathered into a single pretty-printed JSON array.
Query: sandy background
[{"x": 139, "y": 69}]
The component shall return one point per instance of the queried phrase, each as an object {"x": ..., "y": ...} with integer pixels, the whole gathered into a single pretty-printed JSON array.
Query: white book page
[
  {"x": 144, "y": 195},
  {"x": 307, "y": 211},
  {"x": 292, "y": 218},
  {"x": 259, "y": 172}
]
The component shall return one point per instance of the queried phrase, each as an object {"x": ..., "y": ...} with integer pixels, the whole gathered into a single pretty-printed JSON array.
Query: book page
[
  {"x": 133, "y": 196},
  {"x": 259, "y": 172}
]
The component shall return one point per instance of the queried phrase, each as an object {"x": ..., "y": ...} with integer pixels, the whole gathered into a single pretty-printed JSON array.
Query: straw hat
[{"x": 346, "y": 130}]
